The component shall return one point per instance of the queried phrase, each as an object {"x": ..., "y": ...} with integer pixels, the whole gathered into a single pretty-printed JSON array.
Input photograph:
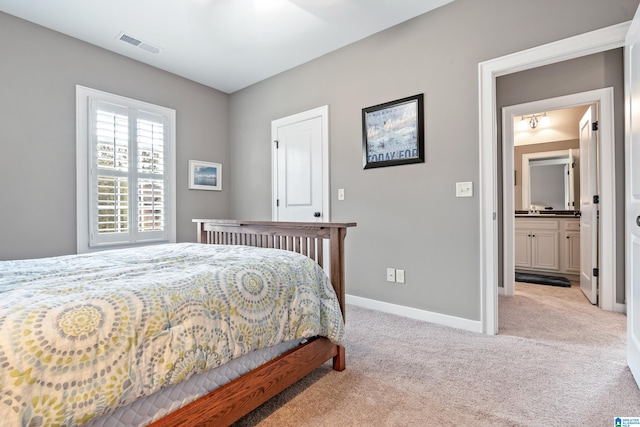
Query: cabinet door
[
  {"x": 572, "y": 251},
  {"x": 544, "y": 248},
  {"x": 522, "y": 248}
]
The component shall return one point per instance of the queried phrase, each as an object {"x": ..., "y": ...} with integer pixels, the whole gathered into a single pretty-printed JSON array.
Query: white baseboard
[
  {"x": 620, "y": 308},
  {"x": 414, "y": 313}
]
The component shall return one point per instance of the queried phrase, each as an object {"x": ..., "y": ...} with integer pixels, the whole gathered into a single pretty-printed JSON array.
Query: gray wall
[
  {"x": 591, "y": 72},
  {"x": 408, "y": 216},
  {"x": 39, "y": 71}
]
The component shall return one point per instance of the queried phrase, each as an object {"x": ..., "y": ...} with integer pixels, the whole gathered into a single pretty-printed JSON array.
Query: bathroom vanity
[{"x": 548, "y": 243}]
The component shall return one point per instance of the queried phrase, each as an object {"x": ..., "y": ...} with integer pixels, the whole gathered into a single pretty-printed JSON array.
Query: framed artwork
[
  {"x": 205, "y": 175},
  {"x": 392, "y": 133}
]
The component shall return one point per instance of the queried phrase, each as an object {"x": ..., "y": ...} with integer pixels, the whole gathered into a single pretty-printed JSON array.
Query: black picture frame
[{"x": 393, "y": 133}]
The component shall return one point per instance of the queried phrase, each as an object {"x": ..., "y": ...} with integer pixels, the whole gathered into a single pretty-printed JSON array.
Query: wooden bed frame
[{"x": 232, "y": 401}]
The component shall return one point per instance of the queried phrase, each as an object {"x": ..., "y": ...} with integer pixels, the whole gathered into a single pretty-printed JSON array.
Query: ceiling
[
  {"x": 225, "y": 44},
  {"x": 564, "y": 126}
]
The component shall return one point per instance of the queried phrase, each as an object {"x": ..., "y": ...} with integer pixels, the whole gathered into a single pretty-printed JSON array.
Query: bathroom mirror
[{"x": 548, "y": 180}]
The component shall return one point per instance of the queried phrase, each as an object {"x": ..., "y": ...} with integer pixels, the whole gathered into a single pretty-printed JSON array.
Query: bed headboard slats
[{"x": 306, "y": 238}]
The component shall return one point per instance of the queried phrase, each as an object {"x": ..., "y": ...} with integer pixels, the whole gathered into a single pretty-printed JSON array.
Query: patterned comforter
[{"x": 84, "y": 334}]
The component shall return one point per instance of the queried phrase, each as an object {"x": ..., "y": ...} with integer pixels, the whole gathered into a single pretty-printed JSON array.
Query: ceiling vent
[{"x": 138, "y": 43}]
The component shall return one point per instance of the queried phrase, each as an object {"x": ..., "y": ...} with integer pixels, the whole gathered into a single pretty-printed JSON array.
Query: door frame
[
  {"x": 574, "y": 47},
  {"x": 323, "y": 113},
  {"x": 603, "y": 98}
]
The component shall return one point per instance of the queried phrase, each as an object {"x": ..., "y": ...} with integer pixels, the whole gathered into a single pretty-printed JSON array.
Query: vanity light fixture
[{"x": 534, "y": 121}]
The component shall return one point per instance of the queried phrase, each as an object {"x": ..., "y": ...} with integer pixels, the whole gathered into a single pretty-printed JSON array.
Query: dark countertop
[{"x": 548, "y": 214}]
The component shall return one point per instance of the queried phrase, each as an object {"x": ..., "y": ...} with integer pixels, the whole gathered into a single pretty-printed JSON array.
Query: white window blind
[
  {"x": 150, "y": 161},
  {"x": 110, "y": 171},
  {"x": 130, "y": 180},
  {"x": 128, "y": 202}
]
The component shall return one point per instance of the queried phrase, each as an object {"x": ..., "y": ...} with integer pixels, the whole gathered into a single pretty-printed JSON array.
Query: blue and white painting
[
  {"x": 392, "y": 133},
  {"x": 205, "y": 175}
]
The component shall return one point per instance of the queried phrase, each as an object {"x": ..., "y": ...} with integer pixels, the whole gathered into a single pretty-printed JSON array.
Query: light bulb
[
  {"x": 523, "y": 124},
  {"x": 545, "y": 122}
]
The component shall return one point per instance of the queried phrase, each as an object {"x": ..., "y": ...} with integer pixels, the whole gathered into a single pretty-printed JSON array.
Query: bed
[{"x": 97, "y": 360}]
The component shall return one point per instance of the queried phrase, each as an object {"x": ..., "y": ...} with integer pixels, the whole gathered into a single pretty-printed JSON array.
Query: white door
[
  {"x": 300, "y": 167},
  {"x": 632, "y": 196},
  {"x": 588, "y": 209}
]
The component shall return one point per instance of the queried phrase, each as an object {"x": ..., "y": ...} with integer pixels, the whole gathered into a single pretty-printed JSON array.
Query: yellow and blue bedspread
[{"x": 81, "y": 335}]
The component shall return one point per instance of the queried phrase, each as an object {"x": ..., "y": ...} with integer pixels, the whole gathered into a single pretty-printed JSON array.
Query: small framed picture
[
  {"x": 205, "y": 175},
  {"x": 393, "y": 133}
]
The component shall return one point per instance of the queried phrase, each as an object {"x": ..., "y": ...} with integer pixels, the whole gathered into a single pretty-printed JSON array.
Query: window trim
[{"x": 83, "y": 97}]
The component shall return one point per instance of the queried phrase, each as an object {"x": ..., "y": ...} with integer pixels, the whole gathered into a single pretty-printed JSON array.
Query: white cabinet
[
  {"x": 572, "y": 246},
  {"x": 522, "y": 247},
  {"x": 536, "y": 244},
  {"x": 549, "y": 245},
  {"x": 544, "y": 250}
]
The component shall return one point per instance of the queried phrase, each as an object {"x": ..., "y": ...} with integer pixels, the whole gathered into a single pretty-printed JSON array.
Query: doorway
[
  {"x": 490, "y": 247},
  {"x": 603, "y": 100},
  {"x": 300, "y": 166}
]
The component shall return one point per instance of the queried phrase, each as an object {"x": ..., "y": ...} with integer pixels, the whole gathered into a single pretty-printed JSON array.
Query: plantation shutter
[
  {"x": 128, "y": 201},
  {"x": 151, "y": 188}
]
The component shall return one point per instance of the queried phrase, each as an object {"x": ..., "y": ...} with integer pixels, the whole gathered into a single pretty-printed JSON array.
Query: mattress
[{"x": 151, "y": 408}]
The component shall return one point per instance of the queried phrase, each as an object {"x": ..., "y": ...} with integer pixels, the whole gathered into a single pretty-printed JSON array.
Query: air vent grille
[
  {"x": 130, "y": 40},
  {"x": 127, "y": 38},
  {"x": 149, "y": 48}
]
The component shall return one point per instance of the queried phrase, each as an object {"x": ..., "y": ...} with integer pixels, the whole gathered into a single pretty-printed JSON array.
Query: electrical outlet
[
  {"x": 391, "y": 274},
  {"x": 340, "y": 193},
  {"x": 399, "y": 276}
]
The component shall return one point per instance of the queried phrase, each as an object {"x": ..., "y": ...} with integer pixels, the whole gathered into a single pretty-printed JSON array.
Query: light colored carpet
[{"x": 557, "y": 361}]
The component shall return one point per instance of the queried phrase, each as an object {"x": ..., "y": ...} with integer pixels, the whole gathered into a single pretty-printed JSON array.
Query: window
[{"x": 125, "y": 173}]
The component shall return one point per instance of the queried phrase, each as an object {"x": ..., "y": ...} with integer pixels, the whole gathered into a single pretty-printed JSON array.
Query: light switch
[
  {"x": 340, "y": 193},
  {"x": 464, "y": 189}
]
